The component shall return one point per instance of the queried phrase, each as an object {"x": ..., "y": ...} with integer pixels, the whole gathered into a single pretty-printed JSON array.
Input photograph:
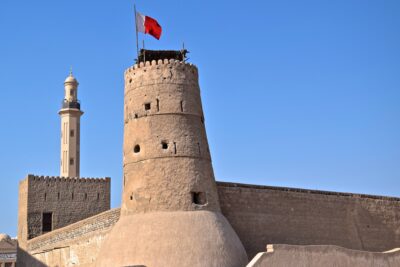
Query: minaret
[
  {"x": 70, "y": 114},
  {"x": 170, "y": 212}
]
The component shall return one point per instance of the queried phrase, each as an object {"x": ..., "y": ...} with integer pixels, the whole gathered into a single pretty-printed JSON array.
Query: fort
[{"x": 174, "y": 213}]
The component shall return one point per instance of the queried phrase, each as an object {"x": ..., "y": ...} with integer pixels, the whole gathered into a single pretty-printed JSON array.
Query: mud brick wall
[
  {"x": 77, "y": 244},
  {"x": 264, "y": 215},
  {"x": 68, "y": 199}
]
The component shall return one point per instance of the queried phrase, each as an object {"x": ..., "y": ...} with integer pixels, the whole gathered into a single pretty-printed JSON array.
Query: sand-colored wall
[
  {"x": 74, "y": 245},
  {"x": 263, "y": 215},
  {"x": 69, "y": 199},
  {"x": 316, "y": 256},
  {"x": 164, "y": 127}
]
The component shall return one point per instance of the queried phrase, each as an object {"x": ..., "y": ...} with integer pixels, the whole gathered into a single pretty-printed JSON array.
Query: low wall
[
  {"x": 316, "y": 256},
  {"x": 264, "y": 215},
  {"x": 74, "y": 245}
]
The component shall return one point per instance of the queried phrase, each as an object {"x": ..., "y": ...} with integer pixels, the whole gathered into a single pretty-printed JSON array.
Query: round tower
[
  {"x": 170, "y": 213},
  {"x": 70, "y": 114}
]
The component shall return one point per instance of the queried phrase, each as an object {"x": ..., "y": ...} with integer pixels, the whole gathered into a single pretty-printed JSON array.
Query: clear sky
[{"x": 295, "y": 93}]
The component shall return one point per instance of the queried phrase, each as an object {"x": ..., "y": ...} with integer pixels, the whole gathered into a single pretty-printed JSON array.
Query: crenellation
[
  {"x": 59, "y": 179},
  {"x": 68, "y": 199}
]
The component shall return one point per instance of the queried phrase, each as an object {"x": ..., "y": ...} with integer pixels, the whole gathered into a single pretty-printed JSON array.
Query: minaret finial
[{"x": 70, "y": 71}]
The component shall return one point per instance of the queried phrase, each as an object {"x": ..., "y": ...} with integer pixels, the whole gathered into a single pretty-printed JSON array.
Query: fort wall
[
  {"x": 74, "y": 245},
  {"x": 316, "y": 256},
  {"x": 260, "y": 215},
  {"x": 64, "y": 200},
  {"x": 263, "y": 215}
]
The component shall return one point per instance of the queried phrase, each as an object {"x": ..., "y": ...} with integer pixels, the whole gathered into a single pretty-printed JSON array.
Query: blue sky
[{"x": 295, "y": 93}]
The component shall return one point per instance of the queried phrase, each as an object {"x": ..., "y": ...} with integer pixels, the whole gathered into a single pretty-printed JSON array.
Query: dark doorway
[{"x": 47, "y": 222}]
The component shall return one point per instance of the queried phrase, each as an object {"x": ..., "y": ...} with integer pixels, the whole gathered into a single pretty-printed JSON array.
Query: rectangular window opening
[
  {"x": 71, "y": 161},
  {"x": 72, "y": 133},
  {"x": 147, "y": 106},
  {"x": 47, "y": 222}
]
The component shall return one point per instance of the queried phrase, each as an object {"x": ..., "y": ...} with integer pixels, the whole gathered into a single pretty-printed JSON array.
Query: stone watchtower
[
  {"x": 70, "y": 114},
  {"x": 170, "y": 213}
]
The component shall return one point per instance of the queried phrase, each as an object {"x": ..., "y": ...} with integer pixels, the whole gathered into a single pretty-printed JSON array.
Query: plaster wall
[
  {"x": 260, "y": 215},
  {"x": 70, "y": 143},
  {"x": 263, "y": 215},
  {"x": 77, "y": 244},
  {"x": 328, "y": 256},
  {"x": 164, "y": 127}
]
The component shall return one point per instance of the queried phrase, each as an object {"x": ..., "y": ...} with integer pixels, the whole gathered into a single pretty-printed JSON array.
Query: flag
[{"x": 148, "y": 25}]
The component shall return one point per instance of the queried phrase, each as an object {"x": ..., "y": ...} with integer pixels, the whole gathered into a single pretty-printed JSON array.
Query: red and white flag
[{"x": 148, "y": 25}]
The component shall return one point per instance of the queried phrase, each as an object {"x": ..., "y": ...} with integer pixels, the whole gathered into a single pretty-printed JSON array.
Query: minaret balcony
[{"x": 73, "y": 104}]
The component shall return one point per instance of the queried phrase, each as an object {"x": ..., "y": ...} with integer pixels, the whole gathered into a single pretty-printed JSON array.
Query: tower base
[{"x": 179, "y": 239}]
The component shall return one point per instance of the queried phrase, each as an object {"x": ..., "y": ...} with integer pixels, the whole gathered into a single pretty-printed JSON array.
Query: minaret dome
[{"x": 71, "y": 86}]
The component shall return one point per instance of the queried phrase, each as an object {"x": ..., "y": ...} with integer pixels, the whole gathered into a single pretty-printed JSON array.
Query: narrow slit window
[
  {"x": 158, "y": 104},
  {"x": 182, "y": 106},
  {"x": 85, "y": 196}
]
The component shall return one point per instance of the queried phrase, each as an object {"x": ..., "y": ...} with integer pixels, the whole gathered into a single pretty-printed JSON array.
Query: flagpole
[{"x": 137, "y": 36}]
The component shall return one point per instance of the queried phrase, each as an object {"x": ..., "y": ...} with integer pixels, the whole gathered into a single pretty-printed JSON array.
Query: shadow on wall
[{"x": 24, "y": 259}]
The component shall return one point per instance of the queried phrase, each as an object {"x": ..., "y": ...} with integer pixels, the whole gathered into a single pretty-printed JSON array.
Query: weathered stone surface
[
  {"x": 77, "y": 244},
  {"x": 69, "y": 199},
  {"x": 170, "y": 213},
  {"x": 255, "y": 213},
  {"x": 317, "y": 256},
  {"x": 181, "y": 238},
  {"x": 264, "y": 215}
]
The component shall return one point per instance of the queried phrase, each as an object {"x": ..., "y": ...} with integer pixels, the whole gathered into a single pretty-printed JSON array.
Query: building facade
[{"x": 8, "y": 251}]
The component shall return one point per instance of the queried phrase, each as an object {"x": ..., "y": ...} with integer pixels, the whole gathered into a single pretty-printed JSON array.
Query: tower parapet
[{"x": 169, "y": 193}]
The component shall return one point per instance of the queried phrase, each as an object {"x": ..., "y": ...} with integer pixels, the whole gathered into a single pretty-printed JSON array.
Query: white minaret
[{"x": 70, "y": 114}]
